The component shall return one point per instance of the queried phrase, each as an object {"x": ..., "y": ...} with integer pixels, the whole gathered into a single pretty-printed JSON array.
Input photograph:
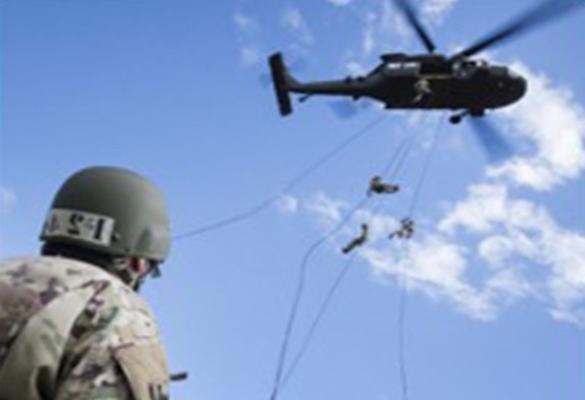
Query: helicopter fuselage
[{"x": 428, "y": 82}]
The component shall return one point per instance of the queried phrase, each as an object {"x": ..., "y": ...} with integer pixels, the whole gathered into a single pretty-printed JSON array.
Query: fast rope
[
  {"x": 298, "y": 295},
  {"x": 427, "y": 162},
  {"x": 397, "y": 159},
  {"x": 399, "y": 156},
  {"x": 292, "y": 184},
  {"x": 403, "y": 294},
  {"x": 401, "y": 342}
]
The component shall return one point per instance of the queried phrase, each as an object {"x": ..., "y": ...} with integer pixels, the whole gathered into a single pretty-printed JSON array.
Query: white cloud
[
  {"x": 327, "y": 210},
  {"x": 390, "y": 20},
  {"x": 248, "y": 31},
  {"x": 287, "y": 204},
  {"x": 293, "y": 19},
  {"x": 340, "y": 3},
  {"x": 437, "y": 268},
  {"x": 435, "y": 10},
  {"x": 368, "y": 40},
  {"x": 249, "y": 55},
  {"x": 512, "y": 231},
  {"x": 550, "y": 118},
  {"x": 503, "y": 236},
  {"x": 245, "y": 23},
  {"x": 487, "y": 206},
  {"x": 7, "y": 200}
]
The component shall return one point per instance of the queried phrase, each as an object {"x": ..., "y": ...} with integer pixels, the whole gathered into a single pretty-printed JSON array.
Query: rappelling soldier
[
  {"x": 406, "y": 230},
  {"x": 358, "y": 241},
  {"x": 378, "y": 186},
  {"x": 72, "y": 325}
]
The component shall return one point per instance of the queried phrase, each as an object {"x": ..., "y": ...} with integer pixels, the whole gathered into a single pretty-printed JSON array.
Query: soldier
[
  {"x": 378, "y": 186},
  {"x": 423, "y": 91},
  {"x": 71, "y": 323},
  {"x": 406, "y": 230},
  {"x": 358, "y": 241}
]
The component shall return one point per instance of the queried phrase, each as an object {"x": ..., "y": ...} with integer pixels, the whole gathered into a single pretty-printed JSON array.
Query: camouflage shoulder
[
  {"x": 116, "y": 345},
  {"x": 61, "y": 273}
]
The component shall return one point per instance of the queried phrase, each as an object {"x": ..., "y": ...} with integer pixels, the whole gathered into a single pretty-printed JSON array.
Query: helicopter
[{"x": 466, "y": 86}]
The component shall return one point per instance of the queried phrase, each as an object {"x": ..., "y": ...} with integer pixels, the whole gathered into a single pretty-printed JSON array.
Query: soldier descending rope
[
  {"x": 358, "y": 241},
  {"x": 378, "y": 186},
  {"x": 406, "y": 230}
]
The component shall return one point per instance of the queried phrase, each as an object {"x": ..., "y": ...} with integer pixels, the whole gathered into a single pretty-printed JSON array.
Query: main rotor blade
[
  {"x": 491, "y": 140},
  {"x": 542, "y": 12},
  {"x": 413, "y": 20}
]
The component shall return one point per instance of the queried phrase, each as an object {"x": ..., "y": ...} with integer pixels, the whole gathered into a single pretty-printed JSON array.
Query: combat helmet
[{"x": 110, "y": 210}]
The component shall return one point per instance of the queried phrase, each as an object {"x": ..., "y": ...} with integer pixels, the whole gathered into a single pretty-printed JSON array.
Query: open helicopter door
[{"x": 280, "y": 78}]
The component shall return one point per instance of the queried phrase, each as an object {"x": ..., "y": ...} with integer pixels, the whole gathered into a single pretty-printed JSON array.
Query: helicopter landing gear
[{"x": 457, "y": 118}]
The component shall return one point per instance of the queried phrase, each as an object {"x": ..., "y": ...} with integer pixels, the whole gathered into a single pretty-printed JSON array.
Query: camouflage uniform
[{"x": 70, "y": 330}]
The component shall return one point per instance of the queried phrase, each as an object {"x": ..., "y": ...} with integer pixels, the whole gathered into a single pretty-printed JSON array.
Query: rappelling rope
[
  {"x": 402, "y": 302},
  {"x": 403, "y": 294},
  {"x": 396, "y": 160},
  {"x": 399, "y": 157},
  {"x": 299, "y": 292},
  {"x": 427, "y": 162},
  {"x": 292, "y": 184},
  {"x": 337, "y": 149}
]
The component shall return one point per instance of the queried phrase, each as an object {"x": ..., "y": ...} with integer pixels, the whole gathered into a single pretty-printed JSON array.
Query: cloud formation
[
  {"x": 477, "y": 261},
  {"x": 434, "y": 11},
  {"x": 7, "y": 200},
  {"x": 549, "y": 118},
  {"x": 287, "y": 204},
  {"x": 340, "y": 3},
  {"x": 248, "y": 37},
  {"x": 293, "y": 20},
  {"x": 514, "y": 232}
]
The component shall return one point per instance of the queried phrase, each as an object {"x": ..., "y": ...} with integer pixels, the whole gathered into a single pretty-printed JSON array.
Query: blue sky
[{"x": 176, "y": 90}]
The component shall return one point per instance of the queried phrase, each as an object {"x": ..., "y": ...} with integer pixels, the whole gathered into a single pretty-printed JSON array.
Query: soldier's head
[{"x": 112, "y": 218}]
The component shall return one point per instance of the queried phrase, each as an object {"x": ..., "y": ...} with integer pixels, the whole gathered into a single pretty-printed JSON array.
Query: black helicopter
[{"x": 429, "y": 81}]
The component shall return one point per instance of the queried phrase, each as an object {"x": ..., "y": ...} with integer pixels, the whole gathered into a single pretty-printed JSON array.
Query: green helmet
[{"x": 110, "y": 210}]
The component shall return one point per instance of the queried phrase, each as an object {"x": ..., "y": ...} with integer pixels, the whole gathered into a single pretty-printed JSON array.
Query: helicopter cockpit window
[
  {"x": 402, "y": 68},
  {"x": 394, "y": 66},
  {"x": 464, "y": 69}
]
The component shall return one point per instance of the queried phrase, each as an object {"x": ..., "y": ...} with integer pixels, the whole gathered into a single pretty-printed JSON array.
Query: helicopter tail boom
[{"x": 283, "y": 82}]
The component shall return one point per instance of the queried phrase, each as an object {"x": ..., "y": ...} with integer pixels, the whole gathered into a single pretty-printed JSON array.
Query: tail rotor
[{"x": 282, "y": 81}]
